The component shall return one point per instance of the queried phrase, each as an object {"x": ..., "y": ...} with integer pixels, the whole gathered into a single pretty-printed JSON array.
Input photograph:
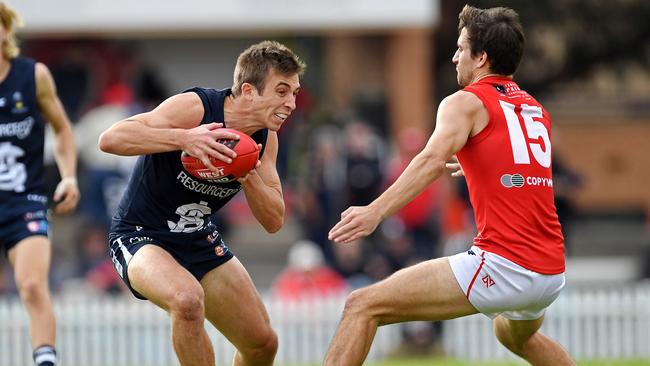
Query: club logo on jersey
[
  {"x": 487, "y": 281},
  {"x": 500, "y": 88},
  {"x": 191, "y": 218},
  {"x": 512, "y": 180},
  {"x": 13, "y": 174},
  {"x": 19, "y": 105}
]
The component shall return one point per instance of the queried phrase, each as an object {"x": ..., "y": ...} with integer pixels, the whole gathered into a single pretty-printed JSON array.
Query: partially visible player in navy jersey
[
  {"x": 28, "y": 99},
  {"x": 163, "y": 239}
]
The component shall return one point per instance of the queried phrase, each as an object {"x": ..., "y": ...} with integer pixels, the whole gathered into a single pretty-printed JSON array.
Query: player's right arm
[{"x": 174, "y": 125}]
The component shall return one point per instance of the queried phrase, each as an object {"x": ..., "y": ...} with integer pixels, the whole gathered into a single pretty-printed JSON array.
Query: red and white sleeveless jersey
[{"x": 508, "y": 171}]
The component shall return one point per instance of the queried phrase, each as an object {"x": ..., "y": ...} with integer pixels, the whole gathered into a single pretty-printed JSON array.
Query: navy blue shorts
[
  {"x": 22, "y": 221},
  {"x": 199, "y": 255}
]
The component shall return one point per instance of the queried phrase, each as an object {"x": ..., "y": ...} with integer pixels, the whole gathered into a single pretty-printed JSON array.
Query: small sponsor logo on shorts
[
  {"x": 487, "y": 281},
  {"x": 139, "y": 239},
  {"x": 38, "y": 226},
  {"x": 219, "y": 251},
  {"x": 471, "y": 252},
  {"x": 35, "y": 215}
]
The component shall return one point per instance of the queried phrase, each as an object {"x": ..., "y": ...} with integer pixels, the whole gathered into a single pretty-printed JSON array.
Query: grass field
[{"x": 448, "y": 362}]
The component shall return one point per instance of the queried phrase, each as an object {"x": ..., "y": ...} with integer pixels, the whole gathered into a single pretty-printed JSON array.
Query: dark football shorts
[
  {"x": 198, "y": 255},
  {"x": 22, "y": 221}
]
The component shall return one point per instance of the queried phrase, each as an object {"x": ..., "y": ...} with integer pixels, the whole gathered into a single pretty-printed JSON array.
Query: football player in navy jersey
[
  {"x": 163, "y": 238},
  {"x": 28, "y": 99}
]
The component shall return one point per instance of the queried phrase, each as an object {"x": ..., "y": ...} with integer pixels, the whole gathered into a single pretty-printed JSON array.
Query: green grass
[{"x": 449, "y": 362}]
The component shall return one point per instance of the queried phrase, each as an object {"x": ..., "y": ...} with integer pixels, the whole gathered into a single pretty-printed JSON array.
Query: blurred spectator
[
  {"x": 95, "y": 266},
  {"x": 566, "y": 183},
  {"x": 105, "y": 175},
  {"x": 377, "y": 266},
  {"x": 363, "y": 159},
  {"x": 320, "y": 200},
  {"x": 419, "y": 217},
  {"x": 307, "y": 275},
  {"x": 350, "y": 262},
  {"x": 457, "y": 219},
  {"x": 396, "y": 244}
]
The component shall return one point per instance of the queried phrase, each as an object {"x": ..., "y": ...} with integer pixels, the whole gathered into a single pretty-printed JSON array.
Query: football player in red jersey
[{"x": 515, "y": 268}]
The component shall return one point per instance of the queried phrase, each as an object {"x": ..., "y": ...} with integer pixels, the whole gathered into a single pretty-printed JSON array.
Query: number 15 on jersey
[{"x": 534, "y": 129}]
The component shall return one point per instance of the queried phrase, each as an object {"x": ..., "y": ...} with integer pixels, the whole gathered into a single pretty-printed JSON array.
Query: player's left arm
[
  {"x": 263, "y": 189},
  {"x": 67, "y": 191}
]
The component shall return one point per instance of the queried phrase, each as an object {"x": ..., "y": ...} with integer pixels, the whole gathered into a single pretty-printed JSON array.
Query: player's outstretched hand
[
  {"x": 456, "y": 169},
  {"x": 202, "y": 143},
  {"x": 356, "y": 222},
  {"x": 67, "y": 195}
]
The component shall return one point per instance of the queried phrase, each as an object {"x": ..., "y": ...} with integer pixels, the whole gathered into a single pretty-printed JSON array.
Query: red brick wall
[{"x": 612, "y": 156}]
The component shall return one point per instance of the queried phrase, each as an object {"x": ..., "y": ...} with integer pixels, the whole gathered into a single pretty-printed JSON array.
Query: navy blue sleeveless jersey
[
  {"x": 162, "y": 197},
  {"x": 22, "y": 137}
]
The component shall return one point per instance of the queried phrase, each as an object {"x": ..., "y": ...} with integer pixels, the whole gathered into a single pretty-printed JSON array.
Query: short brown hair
[
  {"x": 255, "y": 62},
  {"x": 9, "y": 19},
  {"x": 498, "y": 32}
]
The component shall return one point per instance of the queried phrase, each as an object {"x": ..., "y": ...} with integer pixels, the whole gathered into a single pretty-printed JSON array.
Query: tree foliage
[{"x": 566, "y": 39}]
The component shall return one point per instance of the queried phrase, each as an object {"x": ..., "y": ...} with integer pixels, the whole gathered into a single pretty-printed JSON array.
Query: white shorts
[{"x": 497, "y": 286}]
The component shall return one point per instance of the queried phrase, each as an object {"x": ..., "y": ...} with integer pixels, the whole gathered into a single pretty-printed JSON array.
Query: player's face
[
  {"x": 275, "y": 104},
  {"x": 465, "y": 63}
]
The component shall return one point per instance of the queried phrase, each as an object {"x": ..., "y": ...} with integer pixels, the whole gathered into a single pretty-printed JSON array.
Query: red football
[{"x": 247, "y": 156}]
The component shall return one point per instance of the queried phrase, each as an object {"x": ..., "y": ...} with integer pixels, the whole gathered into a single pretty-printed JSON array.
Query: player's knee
[
  {"x": 31, "y": 290},
  {"x": 357, "y": 303},
  {"x": 264, "y": 350},
  {"x": 188, "y": 305},
  {"x": 509, "y": 339}
]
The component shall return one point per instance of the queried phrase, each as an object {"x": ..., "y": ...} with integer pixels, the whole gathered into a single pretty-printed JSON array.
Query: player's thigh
[
  {"x": 425, "y": 291},
  {"x": 30, "y": 258},
  {"x": 233, "y": 305},
  {"x": 516, "y": 330},
  {"x": 156, "y": 275}
]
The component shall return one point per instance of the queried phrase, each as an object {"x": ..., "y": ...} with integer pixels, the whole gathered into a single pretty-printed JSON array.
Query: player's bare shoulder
[
  {"x": 45, "y": 86},
  {"x": 184, "y": 110},
  {"x": 468, "y": 107},
  {"x": 466, "y": 101}
]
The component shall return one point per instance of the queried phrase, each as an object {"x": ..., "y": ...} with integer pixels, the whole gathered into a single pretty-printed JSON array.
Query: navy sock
[{"x": 45, "y": 356}]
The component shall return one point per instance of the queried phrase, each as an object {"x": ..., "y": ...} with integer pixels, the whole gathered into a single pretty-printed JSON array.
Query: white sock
[{"x": 45, "y": 356}]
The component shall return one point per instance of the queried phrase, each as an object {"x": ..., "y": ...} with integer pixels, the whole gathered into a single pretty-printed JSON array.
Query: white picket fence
[
  {"x": 127, "y": 332},
  {"x": 594, "y": 323},
  {"x": 600, "y": 322}
]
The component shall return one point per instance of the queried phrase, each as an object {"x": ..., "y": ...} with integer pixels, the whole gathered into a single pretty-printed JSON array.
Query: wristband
[{"x": 68, "y": 179}]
